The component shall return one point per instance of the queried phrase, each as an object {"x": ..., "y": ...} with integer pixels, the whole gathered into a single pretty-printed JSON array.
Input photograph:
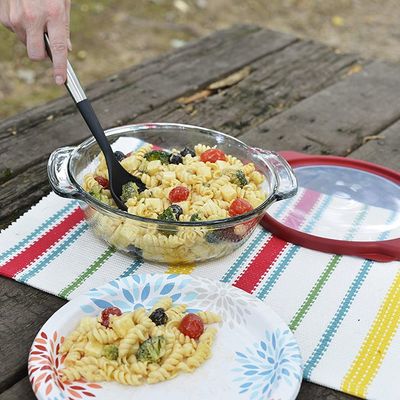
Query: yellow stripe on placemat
[
  {"x": 375, "y": 345},
  {"x": 181, "y": 269}
]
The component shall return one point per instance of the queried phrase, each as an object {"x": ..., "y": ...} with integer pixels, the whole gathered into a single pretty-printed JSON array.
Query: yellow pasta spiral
[
  {"x": 176, "y": 313},
  {"x": 104, "y": 335},
  {"x": 248, "y": 168},
  {"x": 126, "y": 377},
  {"x": 130, "y": 343},
  {"x": 209, "y": 317},
  {"x": 163, "y": 302},
  {"x": 138, "y": 368},
  {"x": 200, "y": 148},
  {"x": 139, "y": 154},
  {"x": 169, "y": 367},
  {"x": 91, "y": 185}
]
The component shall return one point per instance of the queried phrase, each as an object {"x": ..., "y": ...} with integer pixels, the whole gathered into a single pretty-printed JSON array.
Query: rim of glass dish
[{"x": 165, "y": 125}]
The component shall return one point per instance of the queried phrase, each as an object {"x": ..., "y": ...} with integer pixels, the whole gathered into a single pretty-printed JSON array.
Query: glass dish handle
[
  {"x": 57, "y": 170},
  {"x": 286, "y": 180}
]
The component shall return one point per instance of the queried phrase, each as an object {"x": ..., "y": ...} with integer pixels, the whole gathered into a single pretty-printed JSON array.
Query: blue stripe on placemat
[
  {"x": 45, "y": 225},
  {"x": 132, "y": 268},
  {"x": 52, "y": 255}
]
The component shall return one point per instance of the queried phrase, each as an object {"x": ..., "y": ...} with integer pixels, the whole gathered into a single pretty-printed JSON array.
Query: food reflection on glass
[{"x": 140, "y": 346}]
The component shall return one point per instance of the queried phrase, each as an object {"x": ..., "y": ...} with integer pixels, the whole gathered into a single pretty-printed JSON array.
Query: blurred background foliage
[{"x": 110, "y": 35}]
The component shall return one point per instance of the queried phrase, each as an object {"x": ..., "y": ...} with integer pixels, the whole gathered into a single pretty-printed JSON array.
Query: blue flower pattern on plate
[
  {"x": 141, "y": 290},
  {"x": 270, "y": 363}
]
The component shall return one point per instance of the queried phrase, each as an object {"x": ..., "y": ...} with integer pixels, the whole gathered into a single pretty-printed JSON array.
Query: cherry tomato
[
  {"x": 105, "y": 315},
  {"x": 213, "y": 155},
  {"x": 239, "y": 206},
  {"x": 178, "y": 193},
  {"x": 102, "y": 181},
  {"x": 192, "y": 326}
]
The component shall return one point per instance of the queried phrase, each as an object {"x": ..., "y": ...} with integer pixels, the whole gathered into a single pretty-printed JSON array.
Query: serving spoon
[{"x": 117, "y": 174}]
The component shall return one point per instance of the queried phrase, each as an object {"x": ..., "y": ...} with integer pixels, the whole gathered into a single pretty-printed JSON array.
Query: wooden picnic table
[{"x": 286, "y": 94}]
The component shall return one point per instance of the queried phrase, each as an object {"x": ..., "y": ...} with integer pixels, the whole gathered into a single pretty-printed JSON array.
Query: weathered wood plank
[
  {"x": 19, "y": 193},
  {"x": 23, "y": 310},
  {"x": 172, "y": 78},
  {"x": 383, "y": 149},
  {"x": 22, "y": 390},
  {"x": 311, "y": 391},
  {"x": 335, "y": 120},
  {"x": 277, "y": 81}
]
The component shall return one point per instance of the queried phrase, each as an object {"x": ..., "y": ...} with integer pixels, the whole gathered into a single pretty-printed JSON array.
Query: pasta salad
[
  {"x": 139, "y": 347},
  {"x": 189, "y": 185}
]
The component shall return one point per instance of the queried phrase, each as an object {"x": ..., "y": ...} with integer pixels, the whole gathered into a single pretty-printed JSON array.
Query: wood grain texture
[
  {"x": 335, "y": 120},
  {"x": 311, "y": 391},
  {"x": 22, "y": 390},
  {"x": 276, "y": 83},
  {"x": 382, "y": 149},
  {"x": 23, "y": 310}
]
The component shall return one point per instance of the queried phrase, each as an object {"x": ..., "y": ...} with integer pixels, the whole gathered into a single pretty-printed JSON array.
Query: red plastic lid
[{"x": 343, "y": 206}]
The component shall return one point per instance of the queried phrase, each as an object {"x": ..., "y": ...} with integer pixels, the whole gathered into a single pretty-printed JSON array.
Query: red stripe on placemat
[
  {"x": 40, "y": 246},
  {"x": 271, "y": 250}
]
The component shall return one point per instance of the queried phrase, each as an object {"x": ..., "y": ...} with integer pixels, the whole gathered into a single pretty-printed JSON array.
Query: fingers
[
  {"x": 35, "y": 44},
  {"x": 16, "y": 21},
  {"x": 67, "y": 15},
  {"x": 56, "y": 28},
  {"x": 5, "y": 14}
]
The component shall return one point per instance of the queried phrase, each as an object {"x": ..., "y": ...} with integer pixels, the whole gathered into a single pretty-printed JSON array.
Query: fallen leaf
[
  {"x": 181, "y": 5},
  {"x": 231, "y": 79},
  {"x": 82, "y": 54},
  {"x": 337, "y": 20},
  {"x": 195, "y": 97},
  {"x": 177, "y": 43},
  {"x": 373, "y": 137},
  {"x": 189, "y": 108},
  {"x": 355, "y": 69}
]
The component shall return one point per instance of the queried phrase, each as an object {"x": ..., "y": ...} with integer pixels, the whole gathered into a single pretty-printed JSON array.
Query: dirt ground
[{"x": 109, "y": 35}]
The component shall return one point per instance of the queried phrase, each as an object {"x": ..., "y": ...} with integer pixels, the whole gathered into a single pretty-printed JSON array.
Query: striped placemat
[{"x": 344, "y": 311}]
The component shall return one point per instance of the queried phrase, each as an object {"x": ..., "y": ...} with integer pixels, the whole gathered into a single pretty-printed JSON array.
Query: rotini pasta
[{"x": 139, "y": 347}]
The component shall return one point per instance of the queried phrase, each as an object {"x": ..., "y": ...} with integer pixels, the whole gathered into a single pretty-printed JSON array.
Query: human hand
[{"x": 29, "y": 19}]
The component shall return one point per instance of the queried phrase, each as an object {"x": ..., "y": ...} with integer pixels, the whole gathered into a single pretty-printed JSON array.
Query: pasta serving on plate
[{"x": 136, "y": 347}]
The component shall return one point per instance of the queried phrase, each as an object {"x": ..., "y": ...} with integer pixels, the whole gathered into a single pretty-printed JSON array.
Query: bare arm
[{"x": 29, "y": 19}]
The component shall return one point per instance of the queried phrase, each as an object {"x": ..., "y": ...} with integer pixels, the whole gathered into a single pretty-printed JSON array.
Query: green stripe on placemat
[
  {"x": 312, "y": 296},
  {"x": 98, "y": 263}
]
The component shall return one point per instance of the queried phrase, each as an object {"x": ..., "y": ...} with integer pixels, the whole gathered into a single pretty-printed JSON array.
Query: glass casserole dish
[{"x": 172, "y": 242}]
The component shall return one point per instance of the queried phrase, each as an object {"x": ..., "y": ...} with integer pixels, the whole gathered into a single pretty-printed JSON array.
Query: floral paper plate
[{"x": 255, "y": 356}]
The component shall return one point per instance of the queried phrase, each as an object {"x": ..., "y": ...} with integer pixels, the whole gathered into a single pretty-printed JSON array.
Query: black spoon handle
[{"x": 83, "y": 104}]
